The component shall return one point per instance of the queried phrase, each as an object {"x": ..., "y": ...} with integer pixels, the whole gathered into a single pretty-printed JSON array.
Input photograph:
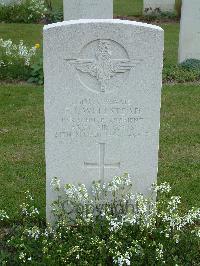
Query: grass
[
  {"x": 179, "y": 162},
  {"x": 29, "y": 33},
  {"x": 128, "y": 7},
  {"x": 171, "y": 43},
  {"x": 22, "y": 144}
]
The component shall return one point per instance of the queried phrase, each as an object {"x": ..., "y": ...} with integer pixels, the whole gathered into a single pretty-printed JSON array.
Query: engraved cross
[{"x": 101, "y": 165}]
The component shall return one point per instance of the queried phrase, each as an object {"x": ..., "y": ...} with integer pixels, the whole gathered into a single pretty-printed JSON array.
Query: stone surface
[
  {"x": 88, "y": 9},
  {"x": 102, "y": 101},
  {"x": 8, "y": 2},
  {"x": 163, "y": 5},
  {"x": 189, "y": 41}
]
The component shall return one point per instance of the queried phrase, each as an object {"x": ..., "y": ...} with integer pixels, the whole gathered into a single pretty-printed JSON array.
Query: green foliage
[
  {"x": 26, "y": 11},
  {"x": 36, "y": 73},
  {"x": 56, "y": 16},
  {"x": 188, "y": 71},
  {"x": 157, "y": 14},
  {"x": 55, "y": 11},
  {"x": 15, "y": 60},
  {"x": 191, "y": 64},
  {"x": 110, "y": 227},
  {"x": 17, "y": 71}
]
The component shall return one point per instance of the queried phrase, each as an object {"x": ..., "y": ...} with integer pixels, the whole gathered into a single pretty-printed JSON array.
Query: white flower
[
  {"x": 34, "y": 232},
  {"x": 122, "y": 259},
  {"x": 159, "y": 252},
  {"x": 55, "y": 184},
  {"x": 37, "y": 8},
  {"x": 2, "y": 63},
  {"x": 115, "y": 225},
  {"x": 3, "y": 215},
  {"x": 197, "y": 233},
  {"x": 16, "y": 51},
  {"x": 176, "y": 238},
  {"x": 22, "y": 256},
  {"x": 162, "y": 188}
]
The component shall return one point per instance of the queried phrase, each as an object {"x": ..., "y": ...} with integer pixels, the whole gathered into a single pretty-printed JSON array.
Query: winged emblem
[{"x": 103, "y": 67}]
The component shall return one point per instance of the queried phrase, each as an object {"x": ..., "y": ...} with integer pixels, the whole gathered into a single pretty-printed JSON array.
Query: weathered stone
[
  {"x": 102, "y": 101},
  {"x": 8, "y": 2},
  {"x": 159, "y": 5},
  {"x": 189, "y": 41},
  {"x": 88, "y": 9}
]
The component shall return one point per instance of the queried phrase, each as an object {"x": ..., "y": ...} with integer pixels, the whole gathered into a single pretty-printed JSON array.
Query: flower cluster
[
  {"x": 108, "y": 224},
  {"x": 162, "y": 188},
  {"x": 33, "y": 232},
  {"x": 29, "y": 211},
  {"x": 12, "y": 52},
  {"x": 116, "y": 204},
  {"x": 122, "y": 259},
  {"x": 37, "y": 8},
  {"x": 26, "y": 11},
  {"x": 3, "y": 215}
]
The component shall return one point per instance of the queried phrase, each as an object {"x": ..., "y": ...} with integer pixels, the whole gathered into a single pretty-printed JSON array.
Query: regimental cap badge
[{"x": 104, "y": 66}]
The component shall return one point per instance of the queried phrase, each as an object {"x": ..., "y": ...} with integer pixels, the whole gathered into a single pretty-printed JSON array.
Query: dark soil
[{"x": 149, "y": 20}]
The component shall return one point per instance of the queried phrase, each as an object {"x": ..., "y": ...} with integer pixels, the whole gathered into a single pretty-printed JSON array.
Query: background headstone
[
  {"x": 102, "y": 101},
  {"x": 162, "y": 5},
  {"x": 88, "y": 9},
  {"x": 189, "y": 41},
  {"x": 8, "y": 2}
]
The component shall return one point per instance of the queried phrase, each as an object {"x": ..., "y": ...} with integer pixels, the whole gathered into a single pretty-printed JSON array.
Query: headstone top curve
[{"x": 111, "y": 21}]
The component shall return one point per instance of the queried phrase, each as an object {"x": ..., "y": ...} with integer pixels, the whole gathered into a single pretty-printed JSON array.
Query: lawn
[
  {"x": 128, "y": 7},
  {"x": 171, "y": 43},
  {"x": 29, "y": 33},
  {"x": 22, "y": 144},
  {"x": 179, "y": 162}
]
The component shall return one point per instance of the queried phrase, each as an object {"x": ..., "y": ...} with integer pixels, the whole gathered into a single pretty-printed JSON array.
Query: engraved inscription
[
  {"x": 101, "y": 165},
  {"x": 103, "y": 66},
  {"x": 107, "y": 118}
]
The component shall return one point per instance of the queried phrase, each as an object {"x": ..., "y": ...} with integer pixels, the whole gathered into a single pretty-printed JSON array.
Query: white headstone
[
  {"x": 102, "y": 101},
  {"x": 189, "y": 41},
  {"x": 162, "y": 5},
  {"x": 88, "y": 9},
  {"x": 8, "y": 2}
]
